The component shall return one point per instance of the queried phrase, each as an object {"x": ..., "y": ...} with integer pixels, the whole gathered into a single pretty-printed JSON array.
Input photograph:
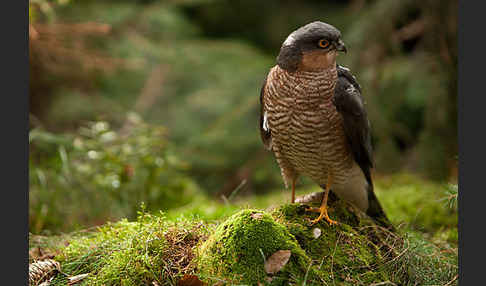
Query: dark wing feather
[
  {"x": 349, "y": 103},
  {"x": 264, "y": 131}
]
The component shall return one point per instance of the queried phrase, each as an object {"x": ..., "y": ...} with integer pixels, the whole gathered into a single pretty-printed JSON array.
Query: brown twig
[
  {"x": 452, "y": 281},
  {"x": 383, "y": 283}
]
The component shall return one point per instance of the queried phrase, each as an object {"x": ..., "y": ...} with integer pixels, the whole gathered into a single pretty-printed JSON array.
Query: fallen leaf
[
  {"x": 190, "y": 280},
  {"x": 316, "y": 232},
  {"x": 277, "y": 261}
]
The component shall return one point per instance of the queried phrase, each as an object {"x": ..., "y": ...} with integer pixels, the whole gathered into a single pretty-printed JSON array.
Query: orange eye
[{"x": 323, "y": 43}]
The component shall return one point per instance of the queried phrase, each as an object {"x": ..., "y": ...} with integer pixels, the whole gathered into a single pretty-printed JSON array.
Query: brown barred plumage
[{"x": 307, "y": 133}]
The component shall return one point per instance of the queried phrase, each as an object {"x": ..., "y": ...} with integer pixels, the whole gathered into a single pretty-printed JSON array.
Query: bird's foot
[{"x": 322, "y": 214}]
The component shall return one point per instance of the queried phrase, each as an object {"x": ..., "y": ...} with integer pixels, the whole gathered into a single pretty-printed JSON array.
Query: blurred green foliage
[
  {"x": 196, "y": 67},
  {"x": 100, "y": 174},
  {"x": 416, "y": 202}
]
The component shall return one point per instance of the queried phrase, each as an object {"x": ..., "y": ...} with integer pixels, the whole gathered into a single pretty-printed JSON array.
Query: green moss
[
  {"x": 154, "y": 248},
  {"x": 133, "y": 253},
  {"x": 237, "y": 250},
  {"x": 218, "y": 247},
  {"x": 342, "y": 253},
  {"x": 424, "y": 263}
]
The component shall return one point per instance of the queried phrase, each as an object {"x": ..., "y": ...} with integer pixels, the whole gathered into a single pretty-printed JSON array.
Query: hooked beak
[{"x": 341, "y": 47}]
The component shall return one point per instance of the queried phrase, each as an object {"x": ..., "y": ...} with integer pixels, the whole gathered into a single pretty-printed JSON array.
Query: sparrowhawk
[{"x": 313, "y": 119}]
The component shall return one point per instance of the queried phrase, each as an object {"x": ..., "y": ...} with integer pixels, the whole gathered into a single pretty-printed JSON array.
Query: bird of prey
[{"x": 313, "y": 118}]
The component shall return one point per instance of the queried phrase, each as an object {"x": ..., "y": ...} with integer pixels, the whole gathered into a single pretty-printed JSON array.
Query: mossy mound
[
  {"x": 237, "y": 250},
  {"x": 198, "y": 243},
  {"x": 348, "y": 253},
  {"x": 149, "y": 251}
]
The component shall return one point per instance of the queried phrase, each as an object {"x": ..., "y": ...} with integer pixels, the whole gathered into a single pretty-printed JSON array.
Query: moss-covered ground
[{"x": 211, "y": 243}]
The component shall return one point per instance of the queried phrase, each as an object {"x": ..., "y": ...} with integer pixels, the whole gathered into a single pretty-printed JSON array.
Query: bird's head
[{"x": 311, "y": 47}]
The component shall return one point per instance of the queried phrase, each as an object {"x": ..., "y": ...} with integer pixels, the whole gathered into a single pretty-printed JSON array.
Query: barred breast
[{"x": 306, "y": 129}]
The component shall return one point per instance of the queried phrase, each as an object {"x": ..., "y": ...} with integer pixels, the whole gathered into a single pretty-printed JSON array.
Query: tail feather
[{"x": 375, "y": 211}]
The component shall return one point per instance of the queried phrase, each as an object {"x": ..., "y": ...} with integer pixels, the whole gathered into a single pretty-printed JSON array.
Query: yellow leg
[
  {"x": 293, "y": 191},
  {"x": 322, "y": 210}
]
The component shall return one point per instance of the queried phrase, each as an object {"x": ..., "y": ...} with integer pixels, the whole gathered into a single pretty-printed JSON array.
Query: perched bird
[{"x": 313, "y": 118}]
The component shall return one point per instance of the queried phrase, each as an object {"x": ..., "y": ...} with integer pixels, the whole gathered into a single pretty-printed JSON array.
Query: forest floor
[{"x": 264, "y": 240}]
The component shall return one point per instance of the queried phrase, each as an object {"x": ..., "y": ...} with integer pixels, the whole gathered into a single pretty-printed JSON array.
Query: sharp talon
[
  {"x": 332, "y": 222},
  {"x": 329, "y": 221},
  {"x": 323, "y": 215}
]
